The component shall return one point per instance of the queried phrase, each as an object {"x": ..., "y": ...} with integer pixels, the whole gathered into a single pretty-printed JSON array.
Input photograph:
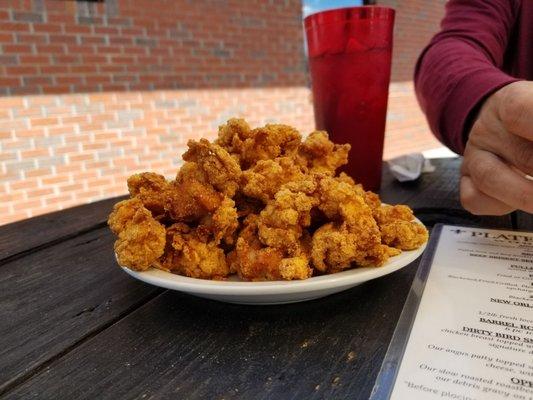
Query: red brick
[
  {"x": 31, "y": 38},
  {"x": 86, "y": 195},
  {"x": 94, "y": 146},
  {"x": 112, "y": 68},
  {"x": 48, "y": 28},
  {"x": 93, "y": 183},
  {"x": 88, "y": 58},
  {"x": 81, "y": 157},
  {"x": 63, "y": 39},
  {"x": 56, "y": 89},
  {"x": 16, "y": 48},
  {"x": 6, "y": 37},
  {"x": 97, "y": 165},
  {"x": 75, "y": 187},
  {"x": 68, "y": 80},
  {"x": 81, "y": 49},
  {"x": 105, "y": 30},
  {"x": 51, "y": 48},
  {"x": 58, "y": 199},
  {"x": 36, "y": 122},
  {"x": 54, "y": 69},
  {"x": 83, "y": 69},
  {"x": 73, "y": 119},
  {"x": 60, "y": 18},
  {"x": 34, "y": 59},
  {"x": 14, "y": 27},
  {"x": 54, "y": 180},
  {"x": 39, "y": 193},
  {"x": 36, "y": 80},
  {"x": 34, "y": 153},
  {"x": 40, "y": 172},
  {"x": 108, "y": 49},
  {"x": 77, "y": 29},
  {"x": 71, "y": 148},
  {"x": 29, "y": 205},
  {"x": 23, "y": 185},
  {"x": 67, "y": 58},
  {"x": 11, "y": 102},
  {"x": 11, "y": 197},
  {"x": 9, "y": 81}
]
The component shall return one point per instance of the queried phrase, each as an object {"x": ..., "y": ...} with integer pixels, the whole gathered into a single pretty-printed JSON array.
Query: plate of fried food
[{"x": 261, "y": 216}]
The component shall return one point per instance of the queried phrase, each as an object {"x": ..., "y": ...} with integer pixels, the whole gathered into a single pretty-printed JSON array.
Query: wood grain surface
[
  {"x": 52, "y": 228},
  {"x": 53, "y": 298},
  {"x": 181, "y": 347}
]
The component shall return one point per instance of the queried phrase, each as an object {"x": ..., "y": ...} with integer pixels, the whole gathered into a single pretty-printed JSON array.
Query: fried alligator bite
[
  {"x": 262, "y": 204},
  {"x": 141, "y": 239}
]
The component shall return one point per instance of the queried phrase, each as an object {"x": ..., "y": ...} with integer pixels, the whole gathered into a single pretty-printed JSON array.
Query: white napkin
[{"x": 410, "y": 166}]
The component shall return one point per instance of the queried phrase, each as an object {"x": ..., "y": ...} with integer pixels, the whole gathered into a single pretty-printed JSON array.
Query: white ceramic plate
[{"x": 276, "y": 292}]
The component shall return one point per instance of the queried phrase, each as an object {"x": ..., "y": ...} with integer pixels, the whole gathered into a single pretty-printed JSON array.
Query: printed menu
[{"x": 471, "y": 336}]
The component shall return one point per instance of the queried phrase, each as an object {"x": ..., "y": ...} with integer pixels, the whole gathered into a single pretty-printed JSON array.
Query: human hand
[{"x": 499, "y": 154}]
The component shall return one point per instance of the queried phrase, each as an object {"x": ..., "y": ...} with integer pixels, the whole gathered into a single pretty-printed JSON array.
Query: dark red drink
[{"x": 350, "y": 61}]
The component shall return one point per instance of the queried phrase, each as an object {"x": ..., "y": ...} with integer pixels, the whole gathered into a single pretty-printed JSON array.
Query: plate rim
[{"x": 346, "y": 278}]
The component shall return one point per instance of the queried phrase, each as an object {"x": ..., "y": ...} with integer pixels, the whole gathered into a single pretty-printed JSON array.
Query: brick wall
[
  {"x": 416, "y": 22},
  {"x": 72, "y": 149},
  {"x": 90, "y": 93},
  {"x": 65, "y": 46}
]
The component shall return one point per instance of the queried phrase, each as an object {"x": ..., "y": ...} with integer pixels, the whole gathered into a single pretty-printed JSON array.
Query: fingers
[
  {"x": 515, "y": 150},
  {"x": 516, "y": 109},
  {"x": 478, "y": 203},
  {"x": 491, "y": 176}
]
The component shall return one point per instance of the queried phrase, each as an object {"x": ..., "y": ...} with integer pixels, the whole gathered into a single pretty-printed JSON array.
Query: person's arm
[{"x": 462, "y": 66}]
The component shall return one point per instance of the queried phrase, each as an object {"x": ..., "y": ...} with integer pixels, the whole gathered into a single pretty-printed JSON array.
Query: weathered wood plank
[
  {"x": 53, "y": 298},
  {"x": 178, "y": 346},
  {"x": 31, "y": 233}
]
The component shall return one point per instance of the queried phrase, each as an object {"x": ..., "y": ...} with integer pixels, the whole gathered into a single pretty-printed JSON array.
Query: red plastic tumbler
[{"x": 350, "y": 62}]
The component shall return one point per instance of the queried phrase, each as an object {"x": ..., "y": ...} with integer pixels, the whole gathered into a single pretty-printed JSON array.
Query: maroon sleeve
[{"x": 462, "y": 65}]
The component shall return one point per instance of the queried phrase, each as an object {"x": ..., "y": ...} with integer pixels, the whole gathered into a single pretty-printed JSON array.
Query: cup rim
[{"x": 347, "y": 14}]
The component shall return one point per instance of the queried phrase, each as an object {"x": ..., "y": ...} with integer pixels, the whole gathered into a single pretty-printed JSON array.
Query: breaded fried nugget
[
  {"x": 269, "y": 142},
  {"x": 187, "y": 254},
  {"x": 265, "y": 178},
  {"x": 282, "y": 221},
  {"x": 398, "y": 228},
  {"x": 232, "y": 134},
  {"x": 187, "y": 199},
  {"x": 253, "y": 261},
  {"x": 221, "y": 224},
  {"x": 221, "y": 170},
  {"x": 336, "y": 247},
  {"x": 141, "y": 239},
  {"x": 190, "y": 197},
  {"x": 251, "y": 146},
  {"x": 151, "y": 189},
  {"x": 321, "y": 155},
  {"x": 354, "y": 237}
]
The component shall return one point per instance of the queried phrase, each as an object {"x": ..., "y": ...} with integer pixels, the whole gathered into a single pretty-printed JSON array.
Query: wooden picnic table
[{"x": 74, "y": 326}]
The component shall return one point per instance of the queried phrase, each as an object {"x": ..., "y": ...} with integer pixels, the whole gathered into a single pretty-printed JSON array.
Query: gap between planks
[
  {"x": 51, "y": 243},
  {"x": 12, "y": 385}
]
